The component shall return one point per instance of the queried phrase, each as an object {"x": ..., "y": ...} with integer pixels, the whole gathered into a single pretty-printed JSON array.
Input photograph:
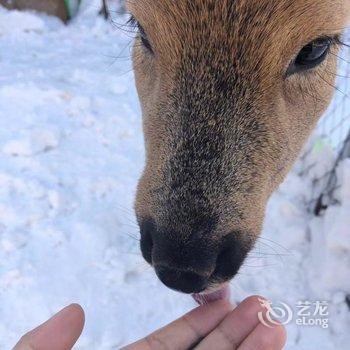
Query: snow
[
  {"x": 71, "y": 152},
  {"x": 333, "y": 259},
  {"x": 23, "y": 23}
]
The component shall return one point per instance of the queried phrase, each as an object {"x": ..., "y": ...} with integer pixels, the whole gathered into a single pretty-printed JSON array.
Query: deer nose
[
  {"x": 181, "y": 263},
  {"x": 183, "y": 281},
  {"x": 190, "y": 261}
]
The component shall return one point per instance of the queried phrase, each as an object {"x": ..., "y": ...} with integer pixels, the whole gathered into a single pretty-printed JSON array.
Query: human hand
[
  {"x": 58, "y": 333},
  {"x": 217, "y": 326},
  {"x": 214, "y": 326}
]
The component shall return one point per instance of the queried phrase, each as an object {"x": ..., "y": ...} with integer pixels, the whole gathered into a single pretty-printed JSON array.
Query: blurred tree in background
[
  {"x": 116, "y": 6},
  {"x": 64, "y": 9},
  {"x": 52, "y": 7}
]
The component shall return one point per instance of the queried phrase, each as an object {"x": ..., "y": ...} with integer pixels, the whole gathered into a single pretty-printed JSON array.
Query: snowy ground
[{"x": 71, "y": 151}]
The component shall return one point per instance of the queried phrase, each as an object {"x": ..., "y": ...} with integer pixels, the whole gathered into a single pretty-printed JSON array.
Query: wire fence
[{"x": 330, "y": 143}]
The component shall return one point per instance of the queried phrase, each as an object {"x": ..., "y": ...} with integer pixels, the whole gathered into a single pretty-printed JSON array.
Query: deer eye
[
  {"x": 135, "y": 25},
  {"x": 144, "y": 38},
  {"x": 311, "y": 55}
]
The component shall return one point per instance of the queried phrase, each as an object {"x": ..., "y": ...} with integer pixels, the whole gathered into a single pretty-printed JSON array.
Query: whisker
[{"x": 333, "y": 86}]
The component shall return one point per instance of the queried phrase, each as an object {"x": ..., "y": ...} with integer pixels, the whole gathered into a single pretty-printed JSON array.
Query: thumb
[{"x": 58, "y": 333}]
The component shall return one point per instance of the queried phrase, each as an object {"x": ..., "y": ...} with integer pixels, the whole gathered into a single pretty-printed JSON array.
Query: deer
[{"x": 230, "y": 91}]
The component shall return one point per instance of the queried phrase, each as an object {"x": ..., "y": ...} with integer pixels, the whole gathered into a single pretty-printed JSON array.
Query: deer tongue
[{"x": 210, "y": 297}]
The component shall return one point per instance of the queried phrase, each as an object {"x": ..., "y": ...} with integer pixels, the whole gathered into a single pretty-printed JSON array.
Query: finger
[
  {"x": 265, "y": 338},
  {"x": 235, "y": 327},
  {"x": 186, "y": 331},
  {"x": 58, "y": 333}
]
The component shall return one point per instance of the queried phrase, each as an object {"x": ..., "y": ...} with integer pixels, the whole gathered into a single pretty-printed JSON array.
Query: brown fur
[{"x": 222, "y": 123}]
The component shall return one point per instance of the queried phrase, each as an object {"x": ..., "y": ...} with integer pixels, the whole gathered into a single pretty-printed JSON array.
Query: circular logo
[{"x": 274, "y": 315}]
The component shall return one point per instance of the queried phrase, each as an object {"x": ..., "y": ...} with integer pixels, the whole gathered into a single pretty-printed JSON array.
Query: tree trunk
[{"x": 104, "y": 10}]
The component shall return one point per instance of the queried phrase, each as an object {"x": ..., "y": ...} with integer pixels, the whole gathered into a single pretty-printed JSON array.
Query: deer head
[{"x": 230, "y": 91}]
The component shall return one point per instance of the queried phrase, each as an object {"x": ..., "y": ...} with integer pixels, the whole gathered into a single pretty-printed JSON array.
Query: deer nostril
[
  {"x": 147, "y": 231},
  {"x": 231, "y": 257},
  {"x": 183, "y": 281},
  {"x": 223, "y": 256}
]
